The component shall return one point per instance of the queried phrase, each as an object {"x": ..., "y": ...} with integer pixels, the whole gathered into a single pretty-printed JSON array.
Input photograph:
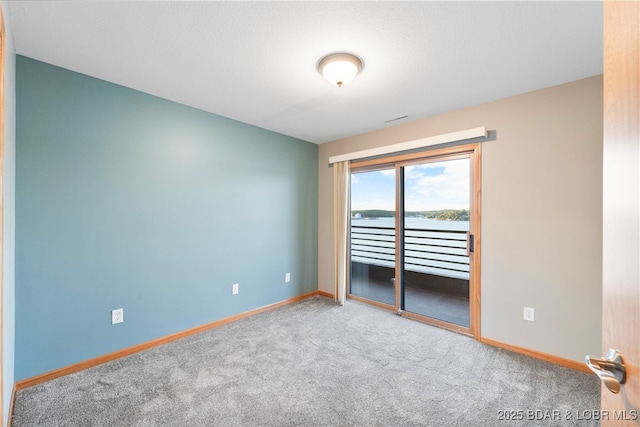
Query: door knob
[{"x": 610, "y": 369}]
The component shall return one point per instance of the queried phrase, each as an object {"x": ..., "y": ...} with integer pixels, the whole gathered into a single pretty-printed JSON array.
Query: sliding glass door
[
  {"x": 436, "y": 223},
  {"x": 414, "y": 235},
  {"x": 373, "y": 253}
]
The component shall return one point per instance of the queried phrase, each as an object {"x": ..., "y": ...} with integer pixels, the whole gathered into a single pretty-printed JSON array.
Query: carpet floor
[{"x": 315, "y": 363}]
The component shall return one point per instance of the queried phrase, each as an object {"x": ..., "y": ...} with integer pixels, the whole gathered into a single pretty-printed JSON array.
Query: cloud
[
  {"x": 428, "y": 186},
  {"x": 441, "y": 185},
  {"x": 373, "y": 190}
]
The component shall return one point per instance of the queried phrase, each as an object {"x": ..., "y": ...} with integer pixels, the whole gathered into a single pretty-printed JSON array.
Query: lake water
[{"x": 424, "y": 223}]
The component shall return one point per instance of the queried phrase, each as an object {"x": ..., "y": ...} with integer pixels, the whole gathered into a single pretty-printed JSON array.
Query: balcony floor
[{"x": 438, "y": 297}]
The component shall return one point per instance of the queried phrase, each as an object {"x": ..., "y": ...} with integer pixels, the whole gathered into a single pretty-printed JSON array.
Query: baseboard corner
[{"x": 325, "y": 294}]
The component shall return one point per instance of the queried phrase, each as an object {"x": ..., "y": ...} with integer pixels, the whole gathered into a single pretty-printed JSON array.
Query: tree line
[{"x": 440, "y": 215}]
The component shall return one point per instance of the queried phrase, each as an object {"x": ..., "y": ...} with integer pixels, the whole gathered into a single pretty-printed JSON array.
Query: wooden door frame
[
  {"x": 473, "y": 151},
  {"x": 621, "y": 206}
]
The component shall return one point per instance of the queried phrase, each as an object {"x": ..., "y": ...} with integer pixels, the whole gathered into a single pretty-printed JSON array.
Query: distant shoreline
[{"x": 440, "y": 215}]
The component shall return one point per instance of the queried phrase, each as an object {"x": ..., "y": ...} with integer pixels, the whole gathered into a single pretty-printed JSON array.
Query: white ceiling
[{"x": 256, "y": 61}]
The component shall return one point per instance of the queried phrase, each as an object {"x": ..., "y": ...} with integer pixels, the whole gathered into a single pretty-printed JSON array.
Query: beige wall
[{"x": 541, "y": 213}]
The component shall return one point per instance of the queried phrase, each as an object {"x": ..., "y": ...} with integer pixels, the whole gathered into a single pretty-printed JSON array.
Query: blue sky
[{"x": 428, "y": 186}]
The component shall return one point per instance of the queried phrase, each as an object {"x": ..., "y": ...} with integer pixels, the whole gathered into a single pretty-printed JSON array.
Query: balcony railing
[{"x": 430, "y": 251}]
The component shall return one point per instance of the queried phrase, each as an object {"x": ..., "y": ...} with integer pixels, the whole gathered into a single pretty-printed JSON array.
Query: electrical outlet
[
  {"x": 117, "y": 316},
  {"x": 235, "y": 289},
  {"x": 529, "y": 314},
  {"x": 287, "y": 277}
]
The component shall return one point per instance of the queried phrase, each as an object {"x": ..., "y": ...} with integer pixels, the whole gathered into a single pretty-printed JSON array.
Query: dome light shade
[{"x": 340, "y": 68}]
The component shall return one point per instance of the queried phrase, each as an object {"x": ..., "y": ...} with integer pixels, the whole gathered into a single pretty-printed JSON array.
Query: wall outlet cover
[
  {"x": 529, "y": 314},
  {"x": 235, "y": 289},
  {"x": 117, "y": 316}
]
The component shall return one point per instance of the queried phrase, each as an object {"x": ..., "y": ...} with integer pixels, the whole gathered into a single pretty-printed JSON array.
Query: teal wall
[{"x": 128, "y": 200}]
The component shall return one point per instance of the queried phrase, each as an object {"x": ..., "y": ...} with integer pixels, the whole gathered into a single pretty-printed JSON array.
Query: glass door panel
[
  {"x": 373, "y": 235},
  {"x": 436, "y": 223}
]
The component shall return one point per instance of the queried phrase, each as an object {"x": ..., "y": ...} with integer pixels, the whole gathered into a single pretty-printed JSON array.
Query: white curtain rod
[{"x": 410, "y": 145}]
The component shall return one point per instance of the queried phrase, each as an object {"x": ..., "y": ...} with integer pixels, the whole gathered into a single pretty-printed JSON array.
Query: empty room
[{"x": 319, "y": 213}]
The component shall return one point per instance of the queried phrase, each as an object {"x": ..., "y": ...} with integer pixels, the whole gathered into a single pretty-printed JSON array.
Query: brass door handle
[{"x": 610, "y": 369}]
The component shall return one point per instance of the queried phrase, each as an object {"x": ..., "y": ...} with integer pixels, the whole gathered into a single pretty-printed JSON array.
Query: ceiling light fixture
[{"x": 340, "y": 68}]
